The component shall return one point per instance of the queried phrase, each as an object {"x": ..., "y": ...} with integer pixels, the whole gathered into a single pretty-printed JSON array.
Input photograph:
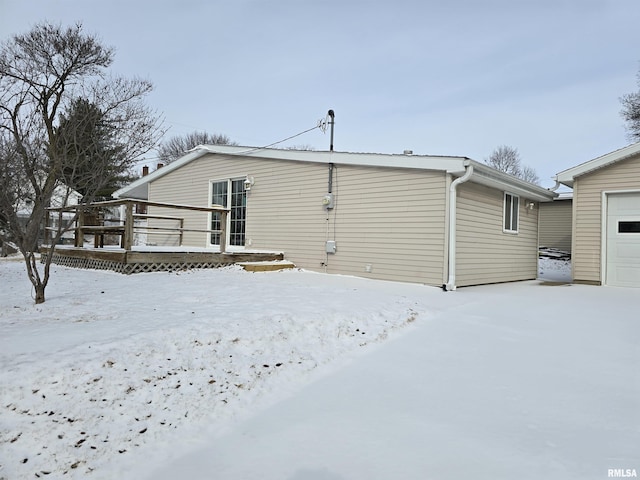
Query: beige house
[
  {"x": 606, "y": 218},
  {"x": 444, "y": 221}
]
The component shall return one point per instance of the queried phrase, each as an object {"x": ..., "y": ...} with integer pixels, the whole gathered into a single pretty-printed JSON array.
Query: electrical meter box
[
  {"x": 331, "y": 246},
  {"x": 327, "y": 201}
]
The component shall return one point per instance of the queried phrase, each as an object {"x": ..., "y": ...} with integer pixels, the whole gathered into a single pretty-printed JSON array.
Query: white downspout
[
  {"x": 451, "y": 282},
  {"x": 556, "y": 186}
]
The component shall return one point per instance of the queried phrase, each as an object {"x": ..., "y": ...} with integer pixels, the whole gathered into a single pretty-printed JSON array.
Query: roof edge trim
[{"x": 566, "y": 177}]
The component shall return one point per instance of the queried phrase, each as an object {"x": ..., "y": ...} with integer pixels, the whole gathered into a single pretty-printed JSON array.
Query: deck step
[{"x": 266, "y": 266}]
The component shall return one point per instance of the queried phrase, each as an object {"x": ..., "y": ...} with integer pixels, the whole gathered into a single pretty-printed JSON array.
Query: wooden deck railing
[{"x": 88, "y": 222}]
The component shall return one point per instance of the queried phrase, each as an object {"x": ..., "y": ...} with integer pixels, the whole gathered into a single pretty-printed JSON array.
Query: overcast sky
[{"x": 445, "y": 77}]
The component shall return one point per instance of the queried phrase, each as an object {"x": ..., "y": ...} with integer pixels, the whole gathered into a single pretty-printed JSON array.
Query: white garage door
[{"x": 623, "y": 240}]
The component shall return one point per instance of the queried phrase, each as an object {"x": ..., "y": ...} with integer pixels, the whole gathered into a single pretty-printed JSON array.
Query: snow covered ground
[{"x": 294, "y": 375}]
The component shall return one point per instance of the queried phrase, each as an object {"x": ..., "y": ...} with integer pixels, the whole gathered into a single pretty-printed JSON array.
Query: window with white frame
[
  {"x": 230, "y": 194},
  {"x": 511, "y": 208},
  {"x": 238, "y": 213}
]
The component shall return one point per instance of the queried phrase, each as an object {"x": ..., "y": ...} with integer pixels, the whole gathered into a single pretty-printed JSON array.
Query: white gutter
[{"x": 451, "y": 282}]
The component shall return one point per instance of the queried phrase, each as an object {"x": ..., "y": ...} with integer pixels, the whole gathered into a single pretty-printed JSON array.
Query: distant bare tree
[
  {"x": 64, "y": 124},
  {"x": 530, "y": 175},
  {"x": 179, "y": 145},
  {"x": 631, "y": 113},
  {"x": 507, "y": 160},
  {"x": 304, "y": 147}
]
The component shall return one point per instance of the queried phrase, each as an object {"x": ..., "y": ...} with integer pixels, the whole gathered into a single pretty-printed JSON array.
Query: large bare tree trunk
[
  {"x": 39, "y": 283},
  {"x": 39, "y": 294}
]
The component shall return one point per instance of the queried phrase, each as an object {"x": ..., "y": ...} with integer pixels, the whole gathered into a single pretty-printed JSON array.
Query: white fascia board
[
  {"x": 490, "y": 177},
  {"x": 566, "y": 177},
  {"x": 448, "y": 164},
  {"x": 140, "y": 188},
  {"x": 483, "y": 174},
  {"x": 453, "y": 165}
]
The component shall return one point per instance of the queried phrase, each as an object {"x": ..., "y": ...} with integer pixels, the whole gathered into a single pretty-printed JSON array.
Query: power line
[
  {"x": 280, "y": 141},
  {"x": 255, "y": 149}
]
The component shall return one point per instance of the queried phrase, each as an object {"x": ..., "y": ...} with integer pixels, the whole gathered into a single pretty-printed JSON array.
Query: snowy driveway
[
  {"x": 516, "y": 381},
  {"x": 230, "y": 375}
]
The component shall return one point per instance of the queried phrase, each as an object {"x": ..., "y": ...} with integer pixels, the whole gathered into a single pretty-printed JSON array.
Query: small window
[
  {"x": 511, "y": 207},
  {"x": 629, "y": 227}
]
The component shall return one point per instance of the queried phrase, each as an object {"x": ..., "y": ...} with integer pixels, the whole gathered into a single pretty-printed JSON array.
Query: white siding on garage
[
  {"x": 587, "y": 214},
  {"x": 486, "y": 254}
]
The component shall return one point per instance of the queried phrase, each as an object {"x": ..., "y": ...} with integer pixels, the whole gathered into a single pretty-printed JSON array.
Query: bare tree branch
[
  {"x": 631, "y": 114},
  {"x": 178, "y": 146},
  {"x": 507, "y": 160},
  {"x": 530, "y": 175}
]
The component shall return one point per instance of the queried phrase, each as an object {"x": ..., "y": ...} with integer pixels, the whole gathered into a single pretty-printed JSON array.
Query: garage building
[{"x": 606, "y": 218}]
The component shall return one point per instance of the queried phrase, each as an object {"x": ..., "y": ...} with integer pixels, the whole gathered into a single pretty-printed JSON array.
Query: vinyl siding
[
  {"x": 391, "y": 219},
  {"x": 587, "y": 214},
  {"x": 555, "y": 224},
  {"x": 183, "y": 186},
  {"x": 484, "y": 254}
]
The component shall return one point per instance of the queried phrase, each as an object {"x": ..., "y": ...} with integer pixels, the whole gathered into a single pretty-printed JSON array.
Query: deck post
[
  {"x": 79, "y": 236},
  {"x": 223, "y": 231},
  {"x": 47, "y": 232},
  {"x": 128, "y": 226}
]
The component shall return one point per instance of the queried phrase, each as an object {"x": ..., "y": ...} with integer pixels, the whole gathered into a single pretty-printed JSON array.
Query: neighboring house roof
[
  {"x": 563, "y": 196},
  {"x": 566, "y": 177},
  {"x": 454, "y": 165},
  {"x": 62, "y": 196}
]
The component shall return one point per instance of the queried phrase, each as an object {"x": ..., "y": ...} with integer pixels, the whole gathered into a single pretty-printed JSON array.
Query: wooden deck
[
  {"x": 139, "y": 261},
  {"x": 128, "y": 255}
]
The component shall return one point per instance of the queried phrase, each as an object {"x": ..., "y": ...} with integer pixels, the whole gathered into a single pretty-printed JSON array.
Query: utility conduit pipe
[{"x": 451, "y": 282}]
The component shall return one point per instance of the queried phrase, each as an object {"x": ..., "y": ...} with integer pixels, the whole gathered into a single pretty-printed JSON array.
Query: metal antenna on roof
[
  {"x": 333, "y": 116},
  {"x": 328, "y": 120}
]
